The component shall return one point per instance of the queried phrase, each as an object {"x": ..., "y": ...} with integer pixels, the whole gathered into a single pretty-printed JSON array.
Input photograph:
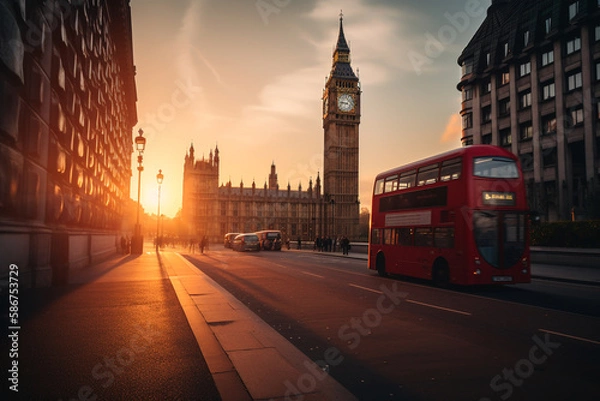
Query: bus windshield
[{"x": 495, "y": 167}]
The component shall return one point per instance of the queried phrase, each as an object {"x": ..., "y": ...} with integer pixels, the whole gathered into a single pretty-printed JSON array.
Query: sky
[{"x": 248, "y": 76}]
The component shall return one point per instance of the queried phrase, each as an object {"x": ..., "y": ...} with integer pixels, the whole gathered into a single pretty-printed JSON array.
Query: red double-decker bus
[{"x": 460, "y": 217}]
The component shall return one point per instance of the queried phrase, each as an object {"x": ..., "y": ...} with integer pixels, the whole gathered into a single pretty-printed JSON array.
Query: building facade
[
  {"x": 531, "y": 83},
  {"x": 212, "y": 210},
  {"x": 67, "y": 109}
]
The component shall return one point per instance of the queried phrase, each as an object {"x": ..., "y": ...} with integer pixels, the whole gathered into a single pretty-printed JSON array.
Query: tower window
[
  {"x": 525, "y": 69},
  {"x": 525, "y": 99},
  {"x": 576, "y": 116},
  {"x": 467, "y": 66},
  {"x": 505, "y": 137},
  {"x": 467, "y": 121},
  {"x": 573, "y": 45},
  {"x": 504, "y": 107},
  {"x": 548, "y": 91},
  {"x": 574, "y": 81},
  {"x": 548, "y": 25},
  {"x": 504, "y": 77},
  {"x": 526, "y": 131},
  {"x": 547, "y": 58},
  {"x": 486, "y": 114},
  {"x": 573, "y": 10},
  {"x": 467, "y": 94},
  {"x": 486, "y": 86},
  {"x": 549, "y": 124}
]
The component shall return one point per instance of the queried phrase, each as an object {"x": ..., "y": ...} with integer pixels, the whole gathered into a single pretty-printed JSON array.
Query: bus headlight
[
  {"x": 477, "y": 261},
  {"x": 525, "y": 262},
  {"x": 524, "y": 271},
  {"x": 477, "y": 272}
]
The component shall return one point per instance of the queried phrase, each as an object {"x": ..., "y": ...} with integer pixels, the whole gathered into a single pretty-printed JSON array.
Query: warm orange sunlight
[{"x": 255, "y": 91}]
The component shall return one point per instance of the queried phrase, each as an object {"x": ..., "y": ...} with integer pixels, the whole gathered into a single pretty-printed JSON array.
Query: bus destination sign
[{"x": 499, "y": 198}]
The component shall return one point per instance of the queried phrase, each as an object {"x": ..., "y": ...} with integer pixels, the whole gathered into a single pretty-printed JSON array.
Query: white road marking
[
  {"x": 312, "y": 274},
  {"x": 438, "y": 307},
  {"x": 570, "y": 336},
  {"x": 365, "y": 288}
]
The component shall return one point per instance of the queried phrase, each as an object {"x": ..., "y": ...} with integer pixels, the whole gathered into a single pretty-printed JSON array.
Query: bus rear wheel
[
  {"x": 380, "y": 264},
  {"x": 440, "y": 273}
]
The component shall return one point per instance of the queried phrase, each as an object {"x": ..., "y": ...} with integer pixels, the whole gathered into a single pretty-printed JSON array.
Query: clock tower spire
[{"x": 341, "y": 118}]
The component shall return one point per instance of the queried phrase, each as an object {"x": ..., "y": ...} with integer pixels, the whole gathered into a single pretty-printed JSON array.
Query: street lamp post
[
  {"x": 159, "y": 180},
  {"x": 137, "y": 241}
]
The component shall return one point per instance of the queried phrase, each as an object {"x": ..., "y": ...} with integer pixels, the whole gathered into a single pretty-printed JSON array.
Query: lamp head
[
  {"x": 140, "y": 141},
  {"x": 159, "y": 177}
]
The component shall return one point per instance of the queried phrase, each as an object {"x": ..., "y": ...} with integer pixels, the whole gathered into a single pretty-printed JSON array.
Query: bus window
[
  {"x": 404, "y": 236},
  {"x": 375, "y": 237},
  {"x": 378, "y": 187},
  {"x": 407, "y": 179},
  {"x": 451, "y": 169},
  {"x": 391, "y": 184},
  {"x": 428, "y": 175},
  {"x": 388, "y": 236},
  {"x": 495, "y": 167},
  {"x": 443, "y": 237},
  {"x": 423, "y": 236}
]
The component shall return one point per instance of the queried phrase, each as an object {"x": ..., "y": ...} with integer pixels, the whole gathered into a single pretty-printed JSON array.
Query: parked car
[
  {"x": 246, "y": 242},
  {"x": 270, "y": 240},
  {"x": 228, "y": 241}
]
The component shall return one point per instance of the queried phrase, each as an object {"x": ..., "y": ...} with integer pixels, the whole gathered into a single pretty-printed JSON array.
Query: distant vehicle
[
  {"x": 270, "y": 240},
  {"x": 246, "y": 242},
  {"x": 228, "y": 241},
  {"x": 460, "y": 217}
]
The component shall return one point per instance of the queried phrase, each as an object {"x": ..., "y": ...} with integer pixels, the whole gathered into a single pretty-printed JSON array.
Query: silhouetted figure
[{"x": 345, "y": 245}]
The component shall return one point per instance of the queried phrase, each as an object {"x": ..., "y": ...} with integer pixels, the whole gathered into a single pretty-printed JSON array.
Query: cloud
[{"x": 453, "y": 130}]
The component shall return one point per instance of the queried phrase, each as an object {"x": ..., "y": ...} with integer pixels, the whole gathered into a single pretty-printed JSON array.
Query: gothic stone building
[
  {"x": 333, "y": 210},
  {"x": 67, "y": 109},
  {"x": 531, "y": 83}
]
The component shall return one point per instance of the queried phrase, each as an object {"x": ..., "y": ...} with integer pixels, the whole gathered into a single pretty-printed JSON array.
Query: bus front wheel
[
  {"x": 440, "y": 273},
  {"x": 380, "y": 264}
]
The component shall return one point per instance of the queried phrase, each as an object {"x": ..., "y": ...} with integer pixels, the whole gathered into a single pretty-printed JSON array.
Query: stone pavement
[
  {"x": 154, "y": 327},
  {"x": 116, "y": 331}
]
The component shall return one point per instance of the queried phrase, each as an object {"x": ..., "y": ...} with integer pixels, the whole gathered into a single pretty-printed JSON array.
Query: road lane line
[
  {"x": 312, "y": 274},
  {"x": 438, "y": 307},
  {"x": 365, "y": 288},
  {"x": 570, "y": 336}
]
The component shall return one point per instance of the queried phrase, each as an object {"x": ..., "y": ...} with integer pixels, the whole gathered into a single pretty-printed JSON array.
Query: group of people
[{"x": 328, "y": 244}]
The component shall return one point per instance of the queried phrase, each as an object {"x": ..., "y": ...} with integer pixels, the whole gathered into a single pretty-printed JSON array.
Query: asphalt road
[{"x": 401, "y": 339}]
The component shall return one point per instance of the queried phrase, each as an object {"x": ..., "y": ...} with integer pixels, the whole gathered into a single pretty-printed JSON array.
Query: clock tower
[{"x": 341, "y": 117}]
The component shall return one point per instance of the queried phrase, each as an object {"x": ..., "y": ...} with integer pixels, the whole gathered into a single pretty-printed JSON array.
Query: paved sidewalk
[
  {"x": 248, "y": 358},
  {"x": 115, "y": 332}
]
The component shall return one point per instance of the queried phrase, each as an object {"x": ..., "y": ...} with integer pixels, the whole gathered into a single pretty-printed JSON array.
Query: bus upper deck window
[
  {"x": 407, "y": 179},
  {"x": 378, "y": 187},
  {"x": 391, "y": 183}
]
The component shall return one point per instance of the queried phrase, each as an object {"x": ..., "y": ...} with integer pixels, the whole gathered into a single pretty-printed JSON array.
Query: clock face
[{"x": 345, "y": 102}]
